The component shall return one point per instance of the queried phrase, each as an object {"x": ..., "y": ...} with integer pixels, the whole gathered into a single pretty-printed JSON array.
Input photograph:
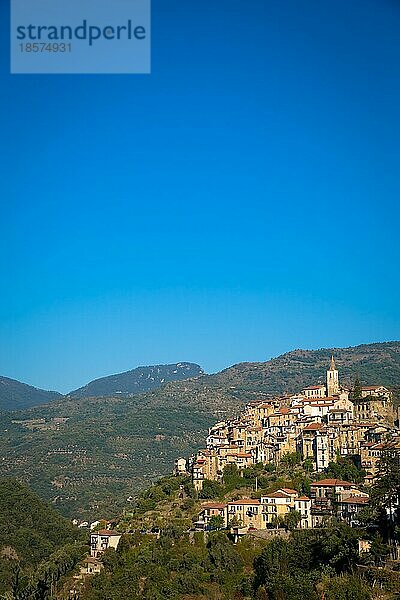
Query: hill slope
[
  {"x": 15, "y": 395},
  {"x": 373, "y": 363},
  {"x": 31, "y": 529},
  {"x": 141, "y": 379},
  {"x": 110, "y": 448}
]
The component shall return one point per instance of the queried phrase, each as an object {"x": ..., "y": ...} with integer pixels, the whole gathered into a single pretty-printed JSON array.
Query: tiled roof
[
  {"x": 105, "y": 532},
  {"x": 277, "y": 494},
  {"x": 371, "y": 387},
  {"x": 244, "y": 501},
  {"x": 355, "y": 500},
  {"x": 332, "y": 483},
  {"x": 313, "y": 427},
  {"x": 216, "y": 505}
]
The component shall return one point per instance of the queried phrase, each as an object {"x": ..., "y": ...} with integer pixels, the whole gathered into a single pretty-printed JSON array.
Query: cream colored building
[
  {"x": 102, "y": 540},
  {"x": 303, "y": 506}
]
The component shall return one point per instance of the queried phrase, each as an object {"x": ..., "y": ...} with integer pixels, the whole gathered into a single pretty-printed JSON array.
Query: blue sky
[{"x": 239, "y": 202}]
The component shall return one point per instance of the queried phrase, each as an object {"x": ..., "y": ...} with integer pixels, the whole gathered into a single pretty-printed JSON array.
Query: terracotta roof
[
  {"x": 105, "y": 532},
  {"x": 313, "y": 427},
  {"x": 332, "y": 483},
  {"x": 244, "y": 501},
  {"x": 289, "y": 490},
  {"x": 371, "y": 387},
  {"x": 277, "y": 494},
  {"x": 303, "y": 498},
  {"x": 355, "y": 500},
  {"x": 216, "y": 505},
  {"x": 284, "y": 411}
]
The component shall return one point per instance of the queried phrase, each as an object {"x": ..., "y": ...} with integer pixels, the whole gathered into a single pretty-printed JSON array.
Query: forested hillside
[{"x": 31, "y": 531}]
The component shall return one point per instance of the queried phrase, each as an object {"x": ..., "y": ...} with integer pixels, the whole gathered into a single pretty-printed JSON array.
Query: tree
[
  {"x": 292, "y": 519},
  {"x": 378, "y": 551},
  {"x": 231, "y": 477},
  {"x": 345, "y": 588},
  {"x": 357, "y": 390},
  {"x": 277, "y": 521},
  {"x": 211, "y": 489},
  {"x": 385, "y": 494},
  {"x": 278, "y": 570},
  {"x": 308, "y": 465},
  {"x": 345, "y": 468},
  {"x": 291, "y": 459},
  {"x": 235, "y": 522},
  {"x": 217, "y": 522},
  {"x": 223, "y": 554}
]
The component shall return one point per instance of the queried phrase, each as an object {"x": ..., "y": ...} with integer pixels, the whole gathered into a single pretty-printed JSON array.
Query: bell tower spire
[{"x": 332, "y": 379}]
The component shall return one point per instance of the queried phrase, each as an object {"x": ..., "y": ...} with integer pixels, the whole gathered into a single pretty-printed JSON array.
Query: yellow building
[
  {"x": 246, "y": 512},
  {"x": 277, "y": 504}
]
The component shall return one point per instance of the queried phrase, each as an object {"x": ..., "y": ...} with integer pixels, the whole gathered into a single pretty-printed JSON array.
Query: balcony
[{"x": 321, "y": 506}]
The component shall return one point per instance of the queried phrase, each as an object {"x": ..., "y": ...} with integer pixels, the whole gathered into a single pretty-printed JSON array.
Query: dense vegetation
[
  {"x": 111, "y": 448},
  {"x": 308, "y": 565},
  {"x": 32, "y": 537},
  {"x": 141, "y": 379}
]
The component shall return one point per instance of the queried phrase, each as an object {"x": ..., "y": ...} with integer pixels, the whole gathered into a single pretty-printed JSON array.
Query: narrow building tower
[{"x": 332, "y": 379}]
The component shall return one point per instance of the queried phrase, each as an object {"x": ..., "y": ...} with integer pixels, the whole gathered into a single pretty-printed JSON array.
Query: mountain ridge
[
  {"x": 137, "y": 380},
  {"x": 16, "y": 395}
]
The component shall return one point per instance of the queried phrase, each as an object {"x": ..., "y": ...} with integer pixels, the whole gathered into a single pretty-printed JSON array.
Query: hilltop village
[{"x": 319, "y": 424}]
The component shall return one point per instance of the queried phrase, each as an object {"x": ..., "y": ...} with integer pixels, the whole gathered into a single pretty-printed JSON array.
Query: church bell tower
[{"x": 332, "y": 379}]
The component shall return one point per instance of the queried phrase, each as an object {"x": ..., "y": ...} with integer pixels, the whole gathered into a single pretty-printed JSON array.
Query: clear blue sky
[{"x": 241, "y": 201}]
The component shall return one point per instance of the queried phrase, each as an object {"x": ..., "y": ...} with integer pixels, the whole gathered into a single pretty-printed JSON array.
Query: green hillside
[
  {"x": 374, "y": 363},
  {"x": 31, "y": 531},
  {"x": 89, "y": 455}
]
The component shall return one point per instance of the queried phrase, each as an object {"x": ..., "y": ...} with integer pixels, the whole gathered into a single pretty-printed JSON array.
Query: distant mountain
[
  {"x": 15, "y": 395},
  {"x": 141, "y": 379},
  {"x": 89, "y": 455}
]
